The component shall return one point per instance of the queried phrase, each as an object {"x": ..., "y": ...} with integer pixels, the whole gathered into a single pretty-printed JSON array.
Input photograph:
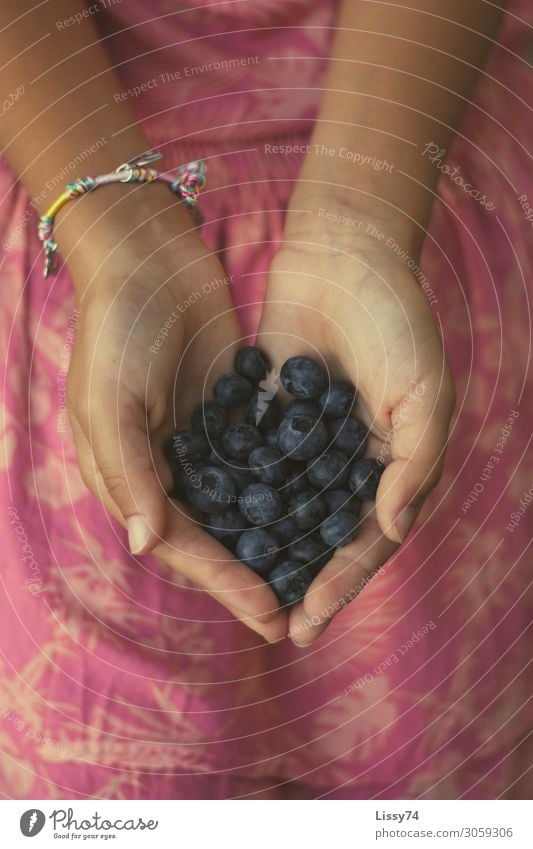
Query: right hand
[
  {"x": 351, "y": 300},
  {"x": 126, "y": 394}
]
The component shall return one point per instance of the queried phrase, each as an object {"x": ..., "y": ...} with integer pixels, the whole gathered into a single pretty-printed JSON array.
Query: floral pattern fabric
[{"x": 118, "y": 679}]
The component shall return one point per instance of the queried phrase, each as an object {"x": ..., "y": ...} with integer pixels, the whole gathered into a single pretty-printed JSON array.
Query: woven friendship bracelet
[{"x": 187, "y": 183}]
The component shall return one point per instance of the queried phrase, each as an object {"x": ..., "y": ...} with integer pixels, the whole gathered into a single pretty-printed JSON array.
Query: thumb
[
  {"x": 420, "y": 430},
  {"x": 128, "y": 465}
]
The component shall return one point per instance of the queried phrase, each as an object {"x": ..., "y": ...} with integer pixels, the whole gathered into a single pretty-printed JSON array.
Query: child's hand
[
  {"x": 154, "y": 333},
  {"x": 357, "y": 304}
]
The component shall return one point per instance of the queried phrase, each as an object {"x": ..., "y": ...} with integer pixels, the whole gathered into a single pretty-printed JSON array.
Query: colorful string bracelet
[{"x": 187, "y": 183}]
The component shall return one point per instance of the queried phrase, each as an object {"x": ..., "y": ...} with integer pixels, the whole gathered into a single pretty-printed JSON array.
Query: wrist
[
  {"x": 339, "y": 219},
  {"x": 377, "y": 177},
  {"x": 123, "y": 225}
]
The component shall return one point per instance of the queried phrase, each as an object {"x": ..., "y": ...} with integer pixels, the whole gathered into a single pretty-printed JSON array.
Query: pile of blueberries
[{"x": 283, "y": 489}]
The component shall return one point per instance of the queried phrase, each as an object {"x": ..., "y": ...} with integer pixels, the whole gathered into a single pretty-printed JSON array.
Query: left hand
[
  {"x": 126, "y": 393},
  {"x": 355, "y": 303}
]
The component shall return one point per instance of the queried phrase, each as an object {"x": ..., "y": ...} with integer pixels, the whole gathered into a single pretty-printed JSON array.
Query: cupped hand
[
  {"x": 357, "y": 305},
  {"x": 157, "y": 326}
]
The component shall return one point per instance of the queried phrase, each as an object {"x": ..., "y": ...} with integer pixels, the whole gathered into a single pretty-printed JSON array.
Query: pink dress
[{"x": 119, "y": 681}]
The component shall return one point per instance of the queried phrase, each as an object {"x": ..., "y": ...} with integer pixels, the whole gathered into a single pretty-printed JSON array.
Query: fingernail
[
  {"x": 404, "y": 521},
  {"x": 138, "y": 534},
  {"x": 300, "y": 645}
]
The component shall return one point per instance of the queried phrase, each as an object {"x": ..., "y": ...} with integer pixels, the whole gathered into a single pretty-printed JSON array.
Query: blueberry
[
  {"x": 349, "y": 437},
  {"x": 268, "y": 465},
  {"x": 303, "y": 378},
  {"x": 252, "y": 363},
  {"x": 240, "y": 472},
  {"x": 209, "y": 418},
  {"x": 290, "y": 581},
  {"x": 308, "y": 509},
  {"x": 337, "y": 400},
  {"x": 217, "y": 456},
  {"x": 181, "y": 473},
  {"x": 271, "y": 437},
  {"x": 302, "y": 408},
  {"x": 239, "y": 440},
  {"x": 226, "y": 527},
  {"x": 329, "y": 470},
  {"x": 341, "y": 499},
  {"x": 186, "y": 445},
  {"x": 260, "y": 503},
  {"x": 258, "y": 549},
  {"x": 285, "y": 530},
  {"x": 295, "y": 483},
  {"x": 231, "y": 390},
  {"x": 302, "y": 437},
  {"x": 311, "y": 551},
  {"x": 211, "y": 490},
  {"x": 364, "y": 478},
  {"x": 339, "y": 529},
  {"x": 262, "y": 411}
]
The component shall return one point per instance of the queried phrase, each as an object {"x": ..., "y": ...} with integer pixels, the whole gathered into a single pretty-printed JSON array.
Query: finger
[
  {"x": 420, "y": 423},
  {"x": 89, "y": 470},
  {"x": 304, "y": 631},
  {"x": 191, "y": 551},
  {"x": 233, "y": 585},
  {"x": 133, "y": 470},
  {"x": 341, "y": 580}
]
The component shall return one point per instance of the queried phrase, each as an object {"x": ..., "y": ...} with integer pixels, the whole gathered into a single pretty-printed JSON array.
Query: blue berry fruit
[
  {"x": 290, "y": 581},
  {"x": 226, "y": 527},
  {"x": 217, "y": 456},
  {"x": 303, "y": 378},
  {"x": 258, "y": 549},
  {"x": 260, "y": 504},
  {"x": 295, "y": 483},
  {"x": 285, "y": 530},
  {"x": 263, "y": 412},
  {"x": 308, "y": 509},
  {"x": 311, "y": 551},
  {"x": 239, "y": 471},
  {"x": 268, "y": 465},
  {"x": 252, "y": 363},
  {"x": 339, "y": 529},
  {"x": 186, "y": 445},
  {"x": 181, "y": 474},
  {"x": 271, "y": 437},
  {"x": 328, "y": 471},
  {"x": 302, "y": 437},
  {"x": 337, "y": 400},
  {"x": 232, "y": 390},
  {"x": 211, "y": 490},
  {"x": 342, "y": 499},
  {"x": 239, "y": 440},
  {"x": 349, "y": 437},
  {"x": 209, "y": 418},
  {"x": 303, "y": 408},
  {"x": 364, "y": 478},
  {"x": 292, "y": 471}
]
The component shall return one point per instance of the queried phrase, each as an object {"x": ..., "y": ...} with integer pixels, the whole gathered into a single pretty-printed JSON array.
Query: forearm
[
  {"x": 68, "y": 103},
  {"x": 399, "y": 79},
  {"x": 67, "y": 113}
]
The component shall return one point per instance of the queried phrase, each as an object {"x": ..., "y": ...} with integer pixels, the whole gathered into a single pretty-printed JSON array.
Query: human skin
[
  {"x": 133, "y": 254},
  {"x": 399, "y": 78},
  {"x": 130, "y": 259}
]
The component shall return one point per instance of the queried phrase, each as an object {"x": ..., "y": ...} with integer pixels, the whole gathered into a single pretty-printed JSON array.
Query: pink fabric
[{"x": 118, "y": 680}]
